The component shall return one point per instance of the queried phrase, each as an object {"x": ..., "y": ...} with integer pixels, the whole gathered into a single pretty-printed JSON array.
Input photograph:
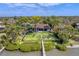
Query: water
[
  {"x": 18, "y": 53},
  {"x": 69, "y": 52},
  {"x": 54, "y": 52}
]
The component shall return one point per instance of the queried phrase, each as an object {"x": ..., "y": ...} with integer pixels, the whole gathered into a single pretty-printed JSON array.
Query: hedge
[
  {"x": 61, "y": 47},
  {"x": 48, "y": 45},
  {"x": 12, "y": 47},
  {"x": 25, "y": 48},
  {"x": 29, "y": 47},
  {"x": 36, "y": 47},
  {"x": 0, "y": 45}
]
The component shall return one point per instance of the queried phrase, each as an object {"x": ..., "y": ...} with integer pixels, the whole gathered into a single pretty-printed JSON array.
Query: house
[
  {"x": 42, "y": 27},
  {"x": 76, "y": 25},
  {"x": 2, "y": 26}
]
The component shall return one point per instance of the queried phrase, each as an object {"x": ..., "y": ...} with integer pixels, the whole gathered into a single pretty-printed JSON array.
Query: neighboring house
[
  {"x": 77, "y": 25},
  {"x": 42, "y": 27},
  {"x": 2, "y": 26}
]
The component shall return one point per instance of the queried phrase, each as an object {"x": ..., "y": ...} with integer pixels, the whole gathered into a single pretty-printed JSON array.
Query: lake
[
  {"x": 68, "y": 52},
  {"x": 54, "y": 52}
]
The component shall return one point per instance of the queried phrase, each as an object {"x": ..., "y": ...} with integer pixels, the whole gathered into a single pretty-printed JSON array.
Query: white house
[
  {"x": 77, "y": 25},
  {"x": 2, "y": 26}
]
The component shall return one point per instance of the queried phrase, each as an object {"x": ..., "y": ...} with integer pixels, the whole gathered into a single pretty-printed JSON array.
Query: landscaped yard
[
  {"x": 32, "y": 42},
  {"x": 29, "y": 34},
  {"x": 38, "y": 36}
]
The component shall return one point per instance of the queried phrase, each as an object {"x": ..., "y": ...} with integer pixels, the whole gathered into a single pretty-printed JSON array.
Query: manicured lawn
[{"x": 38, "y": 36}]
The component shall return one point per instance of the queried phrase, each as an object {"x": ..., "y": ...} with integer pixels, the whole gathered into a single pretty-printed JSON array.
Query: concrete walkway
[{"x": 43, "y": 49}]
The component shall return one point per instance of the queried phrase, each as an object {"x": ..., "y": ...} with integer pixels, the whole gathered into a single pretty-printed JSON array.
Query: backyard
[
  {"x": 32, "y": 42},
  {"x": 27, "y": 36}
]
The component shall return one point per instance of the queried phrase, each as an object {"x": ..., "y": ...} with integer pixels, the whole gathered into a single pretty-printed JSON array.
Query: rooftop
[{"x": 42, "y": 25}]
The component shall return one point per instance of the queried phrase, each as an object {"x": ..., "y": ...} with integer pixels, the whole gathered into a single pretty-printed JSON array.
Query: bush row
[
  {"x": 0, "y": 45},
  {"x": 48, "y": 46},
  {"x": 30, "y": 47},
  {"x": 12, "y": 47},
  {"x": 61, "y": 47},
  {"x": 27, "y": 47}
]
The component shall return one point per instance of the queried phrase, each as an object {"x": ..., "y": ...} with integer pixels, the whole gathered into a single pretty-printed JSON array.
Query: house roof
[{"x": 42, "y": 26}]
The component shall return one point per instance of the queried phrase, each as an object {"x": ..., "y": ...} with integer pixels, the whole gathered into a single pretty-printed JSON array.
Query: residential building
[{"x": 42, "y": 27}]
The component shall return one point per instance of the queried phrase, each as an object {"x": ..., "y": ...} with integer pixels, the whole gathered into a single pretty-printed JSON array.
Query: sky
[{"x": 39, "y": 9}]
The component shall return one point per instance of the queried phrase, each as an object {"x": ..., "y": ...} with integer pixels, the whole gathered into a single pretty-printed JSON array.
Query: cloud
[
  {"x": 32, "y": 4},
  {"x": 21, "y": 5},
  {"x": 49, "y": 4}
]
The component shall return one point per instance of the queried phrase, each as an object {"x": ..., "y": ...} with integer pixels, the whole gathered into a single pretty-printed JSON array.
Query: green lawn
[{"x": 38, "y": 35}]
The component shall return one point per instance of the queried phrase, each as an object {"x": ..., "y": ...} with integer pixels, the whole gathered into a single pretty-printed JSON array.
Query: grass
[
  {"x": 32, "y": 42},
  {"x": 37, "y": 36}
]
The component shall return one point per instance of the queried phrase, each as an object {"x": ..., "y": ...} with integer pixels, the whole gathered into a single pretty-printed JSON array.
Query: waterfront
[
  {"x": 69, "y": 52},
  {"x": 54, "y": 52},
  {"x": 18, "y": 53}
]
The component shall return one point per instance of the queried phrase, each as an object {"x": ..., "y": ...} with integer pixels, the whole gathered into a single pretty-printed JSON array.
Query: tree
[
  {"x": 22, "y": 20},
  {"x": 71, "y": 30},
  {"x": 35, "y": 19},
  {"x": 63, "y": 37},
  {"x": 11, "y": 32}
]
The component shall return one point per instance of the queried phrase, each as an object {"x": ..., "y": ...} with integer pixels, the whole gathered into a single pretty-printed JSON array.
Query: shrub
[
  {"x": 11, "y": 47},
  {"x": 61, "y": 47},
  {"x": 35, "y": 47},
  {"x": 63, "y": 37},
  {"x": 0, "y": 45},
  {"x": 48, "y": 46},
  {"x": 25, "y": 47}
]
